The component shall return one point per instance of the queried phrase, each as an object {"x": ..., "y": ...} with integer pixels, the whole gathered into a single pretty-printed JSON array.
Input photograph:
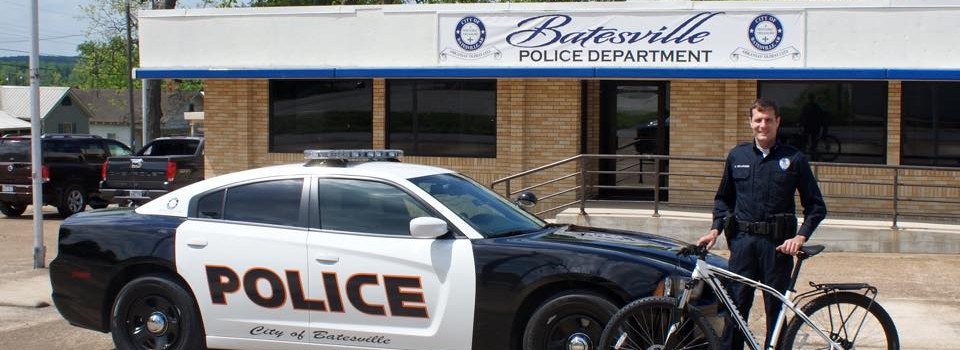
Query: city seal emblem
[
  {"x": 765, "y": 32},
  {"x": 784, "y": 163},
  {"x": 470, "y": 33}
]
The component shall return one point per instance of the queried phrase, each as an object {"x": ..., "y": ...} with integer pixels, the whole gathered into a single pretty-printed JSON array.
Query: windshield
[
  {"x": 489, "y": 213},
  {"x": 14, "y": 150}
]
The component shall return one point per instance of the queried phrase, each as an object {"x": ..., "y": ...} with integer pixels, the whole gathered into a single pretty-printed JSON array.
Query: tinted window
[
  {"x": 833, "y": 121},
  {"x": 324, "y": 114},
  {"x": 92, "y": 151},
  {"x": 170, "y": 148},
  {"x": 61, "y": 150},
  {"x": 14, "y": 150},
  {"x": 211, "y": 206},
  {"x": 931, "y": 123},
  {"x": 270, "y": 202},
  {"x": 367, "y": 207},
  {"x": 117, "y": 149},
  {"x": 452, "y": 118}
]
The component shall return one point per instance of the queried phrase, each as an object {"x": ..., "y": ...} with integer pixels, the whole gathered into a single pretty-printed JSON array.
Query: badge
[{"x": 784, "y": 163}]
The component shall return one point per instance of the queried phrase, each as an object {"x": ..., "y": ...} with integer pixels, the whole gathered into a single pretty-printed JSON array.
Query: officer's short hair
[{"x": 764, "y": 104}]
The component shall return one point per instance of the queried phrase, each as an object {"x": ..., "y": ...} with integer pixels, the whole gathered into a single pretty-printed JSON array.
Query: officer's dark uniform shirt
[{"x": 753, "y": 187}]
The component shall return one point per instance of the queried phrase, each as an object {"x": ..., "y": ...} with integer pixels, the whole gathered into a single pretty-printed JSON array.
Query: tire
[
  {"x": 643, "y": 324},
  {"x": 864, "y": 329},
  {"x": 163, "y": 299},
  {"x": 576, "y": 317},
  {"x": 12, "y": 210},
  {"x": 73, "y": 200}
]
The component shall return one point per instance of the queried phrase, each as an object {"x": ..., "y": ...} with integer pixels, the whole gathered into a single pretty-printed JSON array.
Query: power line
[{"x": 47, "y": 38}]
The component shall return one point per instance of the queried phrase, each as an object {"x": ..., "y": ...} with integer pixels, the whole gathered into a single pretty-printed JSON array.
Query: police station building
[{"x": 495, "y": 89}]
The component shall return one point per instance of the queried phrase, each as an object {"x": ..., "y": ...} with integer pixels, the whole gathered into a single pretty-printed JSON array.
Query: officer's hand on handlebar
[
  {"x": 708, "y": 240},
  {"x": 792, "y": 246}
]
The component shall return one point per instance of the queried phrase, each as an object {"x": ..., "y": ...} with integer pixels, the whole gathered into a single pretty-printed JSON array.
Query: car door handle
[
  {"x": 197, "y": 243},
  {"x": 326, "y": 259}
]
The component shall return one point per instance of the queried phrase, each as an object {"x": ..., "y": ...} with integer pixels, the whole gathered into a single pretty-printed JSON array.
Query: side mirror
[
  {"x": 526, "y": 200},
  {"x": 428, "y": 227}
]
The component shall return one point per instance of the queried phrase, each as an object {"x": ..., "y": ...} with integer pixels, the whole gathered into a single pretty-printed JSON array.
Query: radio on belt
[{"x": 341, "y": 157}]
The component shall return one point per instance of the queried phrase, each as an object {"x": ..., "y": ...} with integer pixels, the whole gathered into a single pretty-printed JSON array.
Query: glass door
[{"x": 634, "y": 120}]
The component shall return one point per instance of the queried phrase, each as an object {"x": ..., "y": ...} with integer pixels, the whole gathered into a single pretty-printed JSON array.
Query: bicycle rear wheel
[
  {"x": 643, "y": 324},
  {"x": 848, "y": 318}
]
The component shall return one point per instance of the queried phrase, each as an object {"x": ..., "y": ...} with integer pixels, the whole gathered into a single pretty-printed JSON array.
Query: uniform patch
[
  {"x": 784, "y": 163},
  {"x": 739, "y": 166}
]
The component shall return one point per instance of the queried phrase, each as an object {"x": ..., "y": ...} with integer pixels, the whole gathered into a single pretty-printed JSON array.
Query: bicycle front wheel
[
  {"x": 852, "y": 320},
  {"x": 643, "y": 324}
]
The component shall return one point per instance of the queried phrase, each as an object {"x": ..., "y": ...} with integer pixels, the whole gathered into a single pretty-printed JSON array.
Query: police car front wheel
[
  {"x": 572, "y": 320},
  {"x": 153, "y": 312}
]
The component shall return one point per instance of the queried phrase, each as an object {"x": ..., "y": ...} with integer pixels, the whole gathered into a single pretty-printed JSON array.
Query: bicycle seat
[{"x": 810, "y": 251}]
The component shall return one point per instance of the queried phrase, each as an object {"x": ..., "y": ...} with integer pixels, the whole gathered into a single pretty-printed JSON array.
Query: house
[
  {"x": 111, "y": 114},
  {"x": 59, "y": 112}
]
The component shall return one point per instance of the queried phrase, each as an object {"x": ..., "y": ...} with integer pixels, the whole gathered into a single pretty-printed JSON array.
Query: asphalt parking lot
[{"x": 918, "y": 290}]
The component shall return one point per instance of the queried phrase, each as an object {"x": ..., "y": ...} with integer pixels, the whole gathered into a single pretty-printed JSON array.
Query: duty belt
[{"x": 759, "y": 228}]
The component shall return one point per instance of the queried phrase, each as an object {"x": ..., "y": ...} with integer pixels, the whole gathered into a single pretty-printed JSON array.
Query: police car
[{"x": 350, "y": 250}]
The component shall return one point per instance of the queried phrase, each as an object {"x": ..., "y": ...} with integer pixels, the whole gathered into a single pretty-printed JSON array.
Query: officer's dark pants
[{"x": 756, "y": 258}]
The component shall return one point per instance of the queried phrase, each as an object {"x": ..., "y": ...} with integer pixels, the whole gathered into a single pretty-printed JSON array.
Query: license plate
[
  {"x": 136, "y": 193},
  {"x": 7, "y": 188}
]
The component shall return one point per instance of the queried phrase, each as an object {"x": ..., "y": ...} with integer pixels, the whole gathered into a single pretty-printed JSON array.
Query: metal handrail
[{"x": 582, "y": 174}]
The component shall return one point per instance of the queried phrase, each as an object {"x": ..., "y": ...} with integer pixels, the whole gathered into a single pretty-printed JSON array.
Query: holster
[
  {"x": 729, "y": 227},
  {"x": 785, "y": 226}
]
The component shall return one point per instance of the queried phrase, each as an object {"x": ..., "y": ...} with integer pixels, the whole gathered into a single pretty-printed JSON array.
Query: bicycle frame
[{"x": 711, "y": 275}]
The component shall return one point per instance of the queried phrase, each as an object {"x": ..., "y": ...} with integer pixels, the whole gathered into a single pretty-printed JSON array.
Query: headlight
[{"x": 672, "y": 286}]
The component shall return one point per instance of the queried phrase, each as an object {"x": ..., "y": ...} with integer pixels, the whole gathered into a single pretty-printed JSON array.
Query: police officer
[{"x": 756, "y": 195}]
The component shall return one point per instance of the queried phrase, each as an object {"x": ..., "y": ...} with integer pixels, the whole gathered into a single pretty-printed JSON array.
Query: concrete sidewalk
[{"x": 28, "y": 289}]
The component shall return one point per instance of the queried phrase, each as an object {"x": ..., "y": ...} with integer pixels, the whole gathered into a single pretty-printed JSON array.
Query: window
[
  {"x": 931, "y": 124},
  {"x": 367, "y": 207},
  {"x": 274, "y": 202},
  {"x": 117, "y": 149},
  {"x": 171, "y": 148},
  {"x": 92, "y": 151},
  {"x": 444, "y": 118},
  {"x": 210, "y": 206},
  {"x": 320, "y": 114},
  {"x": 833, "y": 121},
  {"x": 66, "y": 128}
]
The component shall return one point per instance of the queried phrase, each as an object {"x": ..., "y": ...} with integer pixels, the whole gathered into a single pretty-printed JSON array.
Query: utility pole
[
  {"x": 36, "y": 161},
  {"x": 133, "y": 129}
]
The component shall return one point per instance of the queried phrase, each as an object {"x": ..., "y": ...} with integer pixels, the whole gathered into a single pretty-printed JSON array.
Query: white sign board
[
  {"x": 640, "y": 39},
  {"x": 192, "y": 115}
]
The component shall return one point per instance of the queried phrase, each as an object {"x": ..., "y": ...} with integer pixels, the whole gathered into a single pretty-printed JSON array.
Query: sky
[{"x": 62, "y": 26}]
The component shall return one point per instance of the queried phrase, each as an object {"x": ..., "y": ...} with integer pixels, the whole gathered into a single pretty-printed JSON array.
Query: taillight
[
  {"x": 171, "y": 170},
  {"x": 45, "y": 173},
  {"x": 103, "y": 171}
]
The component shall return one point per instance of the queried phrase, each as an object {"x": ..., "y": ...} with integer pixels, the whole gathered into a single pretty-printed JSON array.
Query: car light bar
[{"x": 353, "y": 154}]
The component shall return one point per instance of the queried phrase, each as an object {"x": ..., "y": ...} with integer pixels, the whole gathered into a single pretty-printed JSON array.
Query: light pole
[{"x": 133, "y": 133}]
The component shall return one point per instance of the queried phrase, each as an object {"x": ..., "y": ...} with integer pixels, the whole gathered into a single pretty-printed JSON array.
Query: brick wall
[{"x": 538, "y": 122}]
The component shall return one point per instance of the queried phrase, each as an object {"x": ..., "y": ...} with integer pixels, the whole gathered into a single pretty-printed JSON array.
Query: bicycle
[{"x": 847, "y": 315}]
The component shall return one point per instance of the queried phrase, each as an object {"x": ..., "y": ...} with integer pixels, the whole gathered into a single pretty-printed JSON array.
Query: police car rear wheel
[
  {"x": 153, "y": 312},
  {"x": 569, "y": 321}
]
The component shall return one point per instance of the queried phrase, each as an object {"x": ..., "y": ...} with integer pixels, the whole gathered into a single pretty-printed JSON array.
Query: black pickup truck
[
  {"x": 71, "y": 170},
  {"x": 163, "y": 165}
]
